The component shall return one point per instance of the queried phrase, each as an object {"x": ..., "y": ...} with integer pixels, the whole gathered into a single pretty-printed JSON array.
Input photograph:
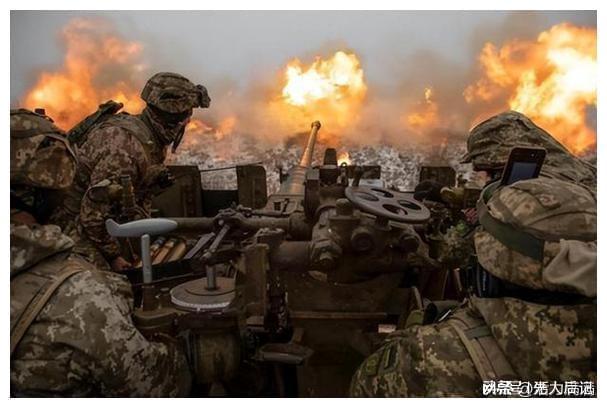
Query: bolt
[
  {"x": 343, "y": 206},
  {"x": 326, "y": 261}
]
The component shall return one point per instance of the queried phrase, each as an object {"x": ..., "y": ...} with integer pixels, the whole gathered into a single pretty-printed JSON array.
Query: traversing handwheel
[{"x": 392, "y": 205}]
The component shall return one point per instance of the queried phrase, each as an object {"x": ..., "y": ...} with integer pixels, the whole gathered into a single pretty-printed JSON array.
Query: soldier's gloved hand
[
  {"x": 428, "y": 190},
  {"x": 165, "y": 179},
  {"x": 120, "y": 264}
]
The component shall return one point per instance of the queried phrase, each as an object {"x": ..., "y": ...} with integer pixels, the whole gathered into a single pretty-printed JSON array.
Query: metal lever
[
  {"x": 358, "y": 174},
  {"x": 211, "y": 277}
]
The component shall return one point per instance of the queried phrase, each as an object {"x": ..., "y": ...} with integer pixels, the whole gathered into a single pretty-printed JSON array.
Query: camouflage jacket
[
  {"x": 83, "y": 342},
  {"x": 552, "y": 343},
  {"x": 121, "y": 145}
]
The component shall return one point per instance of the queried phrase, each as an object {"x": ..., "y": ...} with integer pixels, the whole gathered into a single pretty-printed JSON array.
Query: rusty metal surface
[
  {"x": 252, "y": 187},
  {"x": 184, "y": 197},
  {"x": 314, "y": 282}
]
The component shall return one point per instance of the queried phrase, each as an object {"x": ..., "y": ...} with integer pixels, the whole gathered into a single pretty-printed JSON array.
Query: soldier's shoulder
[
  {"x": 122, "y": 130},
  {"x": 443, "y": 360},
  {"x": 97, "y": 286},
  {"x": 31, "y": 244},
  {"x": 427, "y": 360}
]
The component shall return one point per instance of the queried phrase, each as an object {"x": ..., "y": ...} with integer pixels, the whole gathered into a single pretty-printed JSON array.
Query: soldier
[
  {"x": 126, "y": 147},
  {"x": 490, "y": 142},
  {"x": 489, "y": 145},
  {"x": 71, "y": 328},
  {"x": 532, "y": 316}
]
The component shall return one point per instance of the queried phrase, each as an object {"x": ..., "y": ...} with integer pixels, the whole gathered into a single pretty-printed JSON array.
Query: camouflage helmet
[
  {"x": 490, "y": 142},
  {"x": 40, "y": 155},
  {"x": 541, "y": 234},
  {"x": 174, "y": 93}
]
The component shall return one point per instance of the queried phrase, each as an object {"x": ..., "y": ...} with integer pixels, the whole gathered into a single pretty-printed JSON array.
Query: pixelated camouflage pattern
[
  {"x": 490, "y": 142},
  {"x": 83, "y": 342},
  {"x": 417, "y": 362},
  {"x": 173, "y": 93},
  {"x": 40, "y": 154},
  {"x": 551, "y": 343},
  {"x": 24, "y": 122},
  {"x": 547, "y": 209},
  {"x": 457, "y": 246},
  {"x": 32, "y": 244},
  {"x": 121, "y": 145},
  {"x": 545, "y": 342}
]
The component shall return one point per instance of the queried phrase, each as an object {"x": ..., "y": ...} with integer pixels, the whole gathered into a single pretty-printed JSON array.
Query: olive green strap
[
  {"x": 35, "y": 306},
  {"x": 77, "y": 134},
  {"x": 488, "y": 359}
]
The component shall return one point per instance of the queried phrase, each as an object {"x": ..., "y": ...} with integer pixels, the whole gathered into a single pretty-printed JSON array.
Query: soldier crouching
[
  {"x": 71, "y": 328},
  {"x": 118, "y": 146}
]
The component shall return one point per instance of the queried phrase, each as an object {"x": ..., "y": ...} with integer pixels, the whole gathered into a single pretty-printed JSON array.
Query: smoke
[
  {"x": 423, "y": 105},
  {"x": 98, "y": 65}
]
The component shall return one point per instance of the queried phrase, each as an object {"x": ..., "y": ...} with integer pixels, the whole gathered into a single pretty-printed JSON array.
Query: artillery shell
[
  {"x": 177, "y": 253},
  {"x": 164, "y": 251}
]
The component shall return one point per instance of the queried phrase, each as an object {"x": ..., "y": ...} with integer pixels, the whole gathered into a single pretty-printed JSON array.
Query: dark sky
[{"x": 241, "y": 46}]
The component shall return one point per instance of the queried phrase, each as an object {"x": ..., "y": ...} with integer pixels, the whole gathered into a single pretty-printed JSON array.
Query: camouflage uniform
[
  {"x": 540, "y": 341},
  {"x": 83, "y": 341},
  {"x": 131, "y": 145},
  {"x": 489, "y": 145}
]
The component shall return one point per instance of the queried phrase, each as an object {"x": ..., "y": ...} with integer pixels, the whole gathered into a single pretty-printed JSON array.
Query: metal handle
[
  {"x": 146, "y": 258},
  {"x": 150, "y": 226}
]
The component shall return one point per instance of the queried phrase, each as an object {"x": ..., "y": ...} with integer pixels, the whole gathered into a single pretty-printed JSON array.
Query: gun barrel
[
  {"x": 297, "y": 176},
  {"x": 306, "y": 158}
]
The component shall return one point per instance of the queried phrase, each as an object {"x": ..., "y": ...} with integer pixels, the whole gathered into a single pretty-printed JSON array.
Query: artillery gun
[{"x": 287, "y": 296}]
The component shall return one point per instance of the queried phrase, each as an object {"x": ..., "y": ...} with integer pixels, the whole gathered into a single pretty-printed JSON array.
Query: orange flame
[
  {"x": 553, "y": 80},
  {"x": 98, "y": 66},
  {"x": 330, "y": 90},
  {"x": 197, "y": 128},
  {"x": 344, "y": 157},
  {"x": 424, "y": 115}
]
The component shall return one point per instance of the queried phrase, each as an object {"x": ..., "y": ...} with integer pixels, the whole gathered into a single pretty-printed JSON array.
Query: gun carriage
[{"x": 282, "y": 295}]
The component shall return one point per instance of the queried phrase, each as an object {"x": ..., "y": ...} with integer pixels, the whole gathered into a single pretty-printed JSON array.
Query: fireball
[
  {"x": 197, "y": 130},
  {"x": 331, "y": 90},
  {"x": 424, "y": 115},
  {"x": 553, "y": 80},
  {"x": 98, "y": 66}
]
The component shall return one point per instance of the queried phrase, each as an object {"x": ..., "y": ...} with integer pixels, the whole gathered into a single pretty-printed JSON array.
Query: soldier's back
[
  {"x": 83, "y": 342},
  {"x": 538, "y": 342},
  {"x": 59, "y": 349},
  {"x": 419, "y": 361}
]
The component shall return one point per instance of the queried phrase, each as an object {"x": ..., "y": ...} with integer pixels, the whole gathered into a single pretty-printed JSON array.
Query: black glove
[{"x": 428, "y": 190}]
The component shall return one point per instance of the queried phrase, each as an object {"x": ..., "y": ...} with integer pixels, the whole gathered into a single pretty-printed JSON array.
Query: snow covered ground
[{"x": 400, "y": 165}]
